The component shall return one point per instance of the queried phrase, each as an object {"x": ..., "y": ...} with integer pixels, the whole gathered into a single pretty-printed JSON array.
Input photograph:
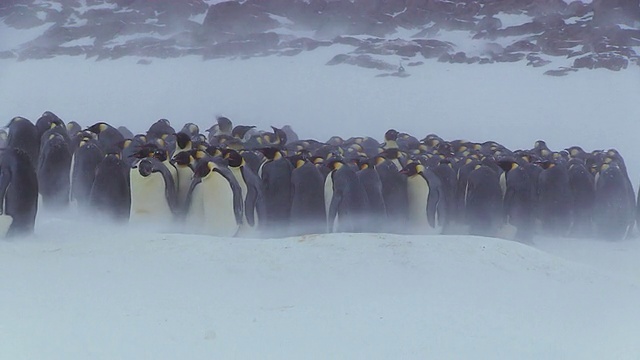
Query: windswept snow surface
[{"x": 107, "y": 293}]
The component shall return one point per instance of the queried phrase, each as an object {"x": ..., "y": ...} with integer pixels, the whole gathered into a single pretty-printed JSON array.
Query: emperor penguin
[
  {"x": 214, "y": 202},
  {"x": 54, "y": 171},
  {"x": 252, "y": 197},
  {"x": 184, "y": 163},
  {"x": 154, "y": 197},
  {"x": 394, "y": 194},
  {"x": 449, "y": 180},
  {"x": 23, "y": 134},
  {"x": 370, "y": 180},
  {"x": 424, "y": 192},
  {"x": 555, "y": 203},
  {"x": 613, "y": 214},
  {"x": 582, "y": 185},
  {"x": 519, "y": 199},
  {"x": 345, "y": 199},
  {"x": 110, "y": 193},
  {"x": 308, "y": 214},
  {"x": 275, "y": 173},
  {"x": 483, "y": 201},
  {"x": 85, "y": 162},
  {"x": 18, "y": 193}
]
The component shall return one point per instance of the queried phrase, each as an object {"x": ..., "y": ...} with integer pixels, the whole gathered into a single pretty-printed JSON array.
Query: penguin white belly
[
  {"x": 418, "y": 194},
  {"x": 503, "y": 184},
  {"x": 195, "y": 219},
  {"x": 184, "y": 182},
  {"x": 219, "y": 217},
  {"x": 328, "y": 195},
  {"x": 148, "y": 199}
]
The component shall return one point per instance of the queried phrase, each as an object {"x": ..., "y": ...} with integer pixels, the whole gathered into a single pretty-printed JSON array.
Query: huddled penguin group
[{"x": 240, "y": 181}]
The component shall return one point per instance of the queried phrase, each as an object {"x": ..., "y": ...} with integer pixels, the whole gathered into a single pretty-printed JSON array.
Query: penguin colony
[{"x": 238, "y": 181}]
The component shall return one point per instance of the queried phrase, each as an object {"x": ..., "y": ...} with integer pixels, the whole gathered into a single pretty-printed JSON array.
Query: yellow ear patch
[
  {"x": 514, "y": 165},
  {"x": 419, "y": 168},
  {"x": 299, "y": 163},
  {"x": 103, "y": 127},
  {"x": 51, "y": 136},
  {"x": 604, "y": 167},
  {"x": 337, "y": 165},
  {"x": 211, "y": 165},
  {"x": 477, "y": 167}
]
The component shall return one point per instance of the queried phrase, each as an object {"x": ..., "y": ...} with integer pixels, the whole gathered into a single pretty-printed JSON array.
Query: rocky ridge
[{"x": 384, "y": 35}]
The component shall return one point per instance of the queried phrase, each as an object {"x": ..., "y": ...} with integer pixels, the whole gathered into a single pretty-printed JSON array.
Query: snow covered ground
[{"x": 80, "y": 289}]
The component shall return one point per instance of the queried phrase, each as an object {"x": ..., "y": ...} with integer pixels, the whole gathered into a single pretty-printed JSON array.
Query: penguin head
[
  {"x": 98, "y": 127},
  {"x": 391, "y": 135},
  {"x": 233, "y": 157},
  {"x": 183, "y": 158},
  {"x": 191, "y": 129},
  {"x": 297, "y": 160},
  {"x": 240, "y": 131},
  {"x": 412, "y": 168},
  {"x": 335, "y": 141},
  {"x": 335, "y": 163},
  {"x": 225, "y": 125},
  {"x": 144, "y": 166},
  {"x": 183, "y": 140},
  {"x": 271, "y": 153},
  {"x": 280, "y": 136}
]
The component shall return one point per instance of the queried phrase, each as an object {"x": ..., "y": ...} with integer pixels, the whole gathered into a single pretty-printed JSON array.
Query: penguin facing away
[
  {"x": 347, "y": 199},
  {"x": 110, "y": 193},
  {"x": 307, "y": 200},
  {"x": 54, "y": 171},
  {"x": 18, "y": 193}
]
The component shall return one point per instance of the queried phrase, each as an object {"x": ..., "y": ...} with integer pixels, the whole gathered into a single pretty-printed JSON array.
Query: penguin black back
[
  {"x": 54, "y": 170},
  {"x": 23, "y": 134},
  {"x": 18, "y": 191},
  {"x": 110, "y": 193},
  {"x": 307, "y": 205}
]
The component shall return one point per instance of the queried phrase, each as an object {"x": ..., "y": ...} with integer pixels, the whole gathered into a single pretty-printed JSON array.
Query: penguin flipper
[
  {"x": 5, "y": 179},
  {"x": 250, "y": 200}
]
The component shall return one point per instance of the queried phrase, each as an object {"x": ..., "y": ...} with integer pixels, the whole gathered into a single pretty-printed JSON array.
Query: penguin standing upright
[
  {"x": 85, "y": 162},
  {"x": 370, "y": 180},
  {"x": 483, "y": 201},
  {"x": 23, "y": 134},
  {"x": 519, "y": 199},
  {"x": 252, "y": 197},
  {"x": 275, "y": 173},
  {"x": 214, "y": 202},
  {"x": 555, "y": 202},
  {"x": 153, "y": 193},
  {"x": 18, "y": 193},
  {"x": 308, "y": 214},
  {"x": 183, "y": 162},
  {"x": 424, "y": 192},
  {"x": 347, "y": 199},
  {"x": 449, "y": 180},
  {"x": 54, "y": 171},
  {"x": 394, "y": 194},
  {"x": 582, "y": 185},
  {"x": 110, "y": 193},
  {"x": 613, "y": 214}
]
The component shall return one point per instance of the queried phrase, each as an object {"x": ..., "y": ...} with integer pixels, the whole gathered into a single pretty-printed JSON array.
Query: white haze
[{"x": 82, "y": 289}]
